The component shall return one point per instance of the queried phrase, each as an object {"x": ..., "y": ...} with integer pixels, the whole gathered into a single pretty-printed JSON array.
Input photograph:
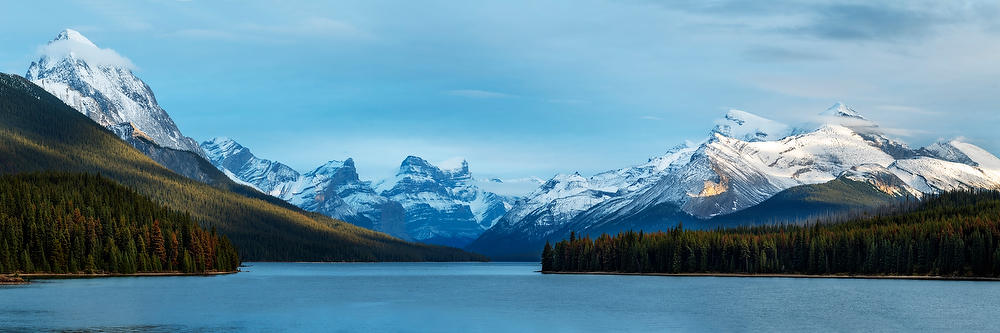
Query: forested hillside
[
  {"x": 65, "y": 223},
  {"x": 38, "y": 132},
  {"x": 951, "y": 234}
]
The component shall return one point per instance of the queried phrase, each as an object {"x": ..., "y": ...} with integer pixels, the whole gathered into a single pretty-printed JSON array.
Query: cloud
[
  {"x": 906, "y": 109},
  {"x": 569, "y": 101},
  {"x": 86, "y": 51},
  {"x": 904, "y": 132},
  {"x": 207, "y": 34},
  {"x": 650, "y": 118},
  {"x": 474, "y": 93},
  {"x": 313, "y": 27},
  {"x": 868, "y": 22},
  {"x": 451, "y": 163},
  {"x": 830, "y": 88},
  {"x": 780, "y": 54},
  {"x": 843, "y": 20},
  {"x": 331, "y": 27}
]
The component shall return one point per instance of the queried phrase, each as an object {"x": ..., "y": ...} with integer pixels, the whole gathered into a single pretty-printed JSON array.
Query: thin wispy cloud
[
  {"x": 88, "y": 52},
  {"x": 312, "y": 27},
  {"x": 650, "y": 118},
  {"x": 782, "y": 54},
  {"x": 475, "y": 93},
  {"x": 213, "y": 34},
  {"x": 904, "y": 132},
  {"x": 906, "y": 109},
  {"x": 868, "y": 22},
  {"x": 569, "y": 101}
]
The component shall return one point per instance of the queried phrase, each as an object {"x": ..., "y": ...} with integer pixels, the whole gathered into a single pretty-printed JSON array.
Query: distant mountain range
[
  {"x": 422, "y": 202},
  {"x": 748, "y": 161}
]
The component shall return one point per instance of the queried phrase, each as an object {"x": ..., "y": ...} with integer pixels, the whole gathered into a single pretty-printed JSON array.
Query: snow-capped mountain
[
  {"x": 443, "y": 206},
  {"x": 100, "y": 84},
  {"x": 241, "y": 165},
  {"x": 564, "y": 197},
  {"x": 333, "y": 189},
  {"x": 746, "y": 160},
  {"x": 422, "y": 202}
]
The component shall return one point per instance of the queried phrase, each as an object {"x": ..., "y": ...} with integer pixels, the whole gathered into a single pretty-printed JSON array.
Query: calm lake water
[{"x": 503, "y": 297}]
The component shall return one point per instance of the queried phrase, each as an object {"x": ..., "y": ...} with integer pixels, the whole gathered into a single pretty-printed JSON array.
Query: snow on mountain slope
[
  {"x": 750, "y": 127},
  {"x": 979, "y": 156},
  {"x": 747, "y": 160},
  {"x": 333, "y": 189},
  {"x": 100, "y": 84},
  {"x": 929, "y": 175},
  {"x": 422, "y": 202},
  {"x": 264, "y": 175},
  {"x": 443, "y": 206},
  {"x": 565, "y": 196},
  {"x": 728, "y": 174},
  {"x": 841, "y": 110}
]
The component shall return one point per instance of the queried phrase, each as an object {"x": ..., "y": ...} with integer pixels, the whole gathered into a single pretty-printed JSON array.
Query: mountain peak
[
  {"x": 71, "y": 45},
  {"x": 335, "y": 165},
  {"x": 220, "y": 148},
  {"x": 328, "y": 168},
  {"x": 411, "y": 161},
  {"x": 220, "y": 140},
  {"x": 100, "y": 84},
  {"x": 840, "y": 109},
  {"x": 223, "y": 142},
  {"x": 749, "y": 127},
  {"x": 72, "y": 35}
]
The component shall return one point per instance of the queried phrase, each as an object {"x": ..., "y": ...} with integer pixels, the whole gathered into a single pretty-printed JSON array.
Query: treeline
[
  {"x": 950, "y": 234},
  {"x": 80, "y": 223}
]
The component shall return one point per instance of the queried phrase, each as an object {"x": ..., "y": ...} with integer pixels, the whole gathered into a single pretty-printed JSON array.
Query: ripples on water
[{"x": 505, "y": 297}]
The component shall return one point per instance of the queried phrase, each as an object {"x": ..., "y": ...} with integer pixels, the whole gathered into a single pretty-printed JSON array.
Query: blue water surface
[{"x": 490, "y": 297}]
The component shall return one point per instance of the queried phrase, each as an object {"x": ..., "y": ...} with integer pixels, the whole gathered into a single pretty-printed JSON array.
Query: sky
[{"x": 532, "y": 88}]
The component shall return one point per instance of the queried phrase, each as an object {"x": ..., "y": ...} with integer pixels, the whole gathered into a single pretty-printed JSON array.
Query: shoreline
[
  {"x": 26, "y": 278},
  {"x": 792, "y": 276},
  {"x": 11, "y": 280}
]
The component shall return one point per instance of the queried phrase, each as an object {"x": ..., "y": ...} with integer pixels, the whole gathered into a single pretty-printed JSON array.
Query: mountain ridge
[
  {"x": 742, "y": 164},
  {"x": 421, "y": 203}
]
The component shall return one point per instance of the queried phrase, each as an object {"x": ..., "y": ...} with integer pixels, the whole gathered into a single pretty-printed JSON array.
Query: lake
[{"x": 502, "y": 297}]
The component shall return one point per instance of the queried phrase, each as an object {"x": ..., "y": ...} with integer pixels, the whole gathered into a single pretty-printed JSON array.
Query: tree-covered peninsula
[{"x": 950, "y": 234}]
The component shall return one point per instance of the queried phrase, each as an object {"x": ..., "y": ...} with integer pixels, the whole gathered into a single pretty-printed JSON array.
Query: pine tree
[{"x": 547, "y": 257}]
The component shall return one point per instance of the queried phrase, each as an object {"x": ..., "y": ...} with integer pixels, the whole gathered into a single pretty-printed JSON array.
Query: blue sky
[{"x": 532, "y": 88}]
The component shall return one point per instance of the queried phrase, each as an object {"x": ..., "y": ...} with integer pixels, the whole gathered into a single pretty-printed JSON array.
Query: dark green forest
[
  {"x": 79, "y": 223},
  {"x": 949, "y": 234},
  {"x": 38, "y": 133}
]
